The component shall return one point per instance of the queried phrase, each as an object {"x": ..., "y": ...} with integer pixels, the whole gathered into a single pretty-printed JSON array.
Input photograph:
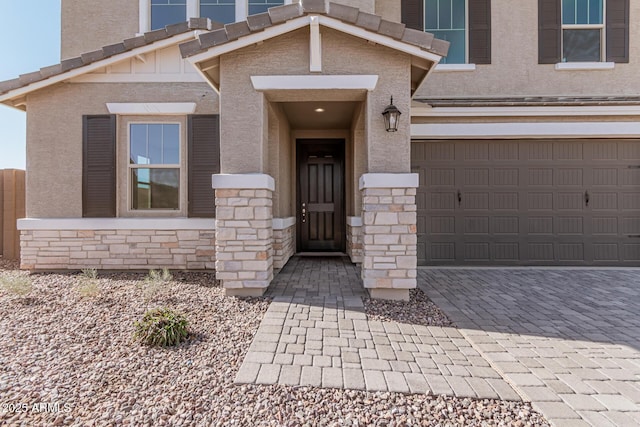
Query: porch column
[
  {"x": 389, "y": 234},
  {"x": 244, "y": 232}
]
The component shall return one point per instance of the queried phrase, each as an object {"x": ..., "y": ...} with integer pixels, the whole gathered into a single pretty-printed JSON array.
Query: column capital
[
  {"x": 389, "y": 180},
  {"x": 250, "y": 181}
]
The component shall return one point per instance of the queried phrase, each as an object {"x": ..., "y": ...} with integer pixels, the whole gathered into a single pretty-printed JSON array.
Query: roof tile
[
  {"x": 237, "y": 30},
  {"x": 280, "y": 14},
  {"x": 29, "y": 78},
  {"x": 113, "y": 49},
  {"x": 8, "y": 85},
  {"x": 70, "y": 64},
  {"x": 343, "y": 13},
  {"x": 417, "y": 38},
  {"x": 154, "y": 36},
  {"x": 189, "y": 48},
  {"x": 179, "y": 28},
  {"x": 314, "y": 6},
  {"x": 368, "y": 21},
  {"x": 391, "y": 29},
  {"x": 89, "y": 57},
  {"x": 213, "y": 38},
  {"x": 199, "y": 23},
  {"x": 259, "y": 22},
  {"x": 440, "y": 47},
  {"x": 134, "y": 42},
  {"x": 51, "y": 70}
]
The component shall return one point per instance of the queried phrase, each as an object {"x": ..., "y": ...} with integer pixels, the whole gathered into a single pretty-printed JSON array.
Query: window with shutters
[
  {"x": 447, "y": 20},
  {"x": 218, "y": 10},
  {"x": 583, "y": 30},
  {"x": 154, "y": 166}
]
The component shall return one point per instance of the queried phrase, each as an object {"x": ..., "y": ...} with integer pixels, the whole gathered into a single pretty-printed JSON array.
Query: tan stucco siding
[
  {"x": 280, "y": 162},
  {"x": 389, "y": 9},
  {"x": 243, "y": 118},
  {"x": 90, "y": 24},
  {"x": 515, "y": 71},
  {"x": 54, "y": 135}
]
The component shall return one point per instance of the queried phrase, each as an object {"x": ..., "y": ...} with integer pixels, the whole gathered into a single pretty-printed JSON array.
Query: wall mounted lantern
[{"x": 391, "y": 116}]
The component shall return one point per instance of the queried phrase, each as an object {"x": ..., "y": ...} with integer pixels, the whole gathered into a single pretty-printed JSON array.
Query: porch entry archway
[{"x": 320, "y": 206}]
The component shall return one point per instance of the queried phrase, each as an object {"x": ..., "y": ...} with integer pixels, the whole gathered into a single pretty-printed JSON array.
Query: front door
[{"x": 320, "y": 207}]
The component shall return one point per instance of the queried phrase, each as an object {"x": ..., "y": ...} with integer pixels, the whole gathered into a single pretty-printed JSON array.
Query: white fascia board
[
  {"x": 526, "y": 130},
  {"x": 442, "y": 68},
  {"x": 139, "y": 78},
  {"x": 378, "y": 38},
  {"x": 362, "y": 82},
  {"x": 283, "y": 223},
  {"x": 249, "y": 181},
  {"x": 354, "y": 221},
  {"x": 94, "y": 66},
  {"x": 389, "y": 180},
  {"x": 151, "y": 108},
  {"x": 116, "y": 224},
  {"x": 250, "y": 39},
  {"x": 584, "y": 110}
]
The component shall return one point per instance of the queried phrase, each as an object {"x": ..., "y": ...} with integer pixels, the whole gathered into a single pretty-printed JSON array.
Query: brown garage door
[{"x": 528, "y": 202}]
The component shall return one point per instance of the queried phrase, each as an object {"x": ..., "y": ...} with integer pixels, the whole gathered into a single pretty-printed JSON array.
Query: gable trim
[
  {"x": 94, "y": 66},
  {"x": 363, "y": 82}
]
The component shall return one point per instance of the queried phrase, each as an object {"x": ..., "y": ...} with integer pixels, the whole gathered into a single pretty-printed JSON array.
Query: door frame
[{"x": 341, "y": 143}]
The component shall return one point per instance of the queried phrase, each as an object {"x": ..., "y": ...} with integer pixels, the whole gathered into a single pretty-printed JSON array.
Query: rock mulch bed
[
  {"x": 61, "y": 347},
  {"x": 419, "y": 310}
]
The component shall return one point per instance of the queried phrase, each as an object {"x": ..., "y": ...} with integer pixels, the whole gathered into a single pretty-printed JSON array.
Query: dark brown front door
[{"x": 320, "y": 206}]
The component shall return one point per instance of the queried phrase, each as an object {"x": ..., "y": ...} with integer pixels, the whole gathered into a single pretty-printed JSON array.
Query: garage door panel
[{"x": 542, "y": 202}]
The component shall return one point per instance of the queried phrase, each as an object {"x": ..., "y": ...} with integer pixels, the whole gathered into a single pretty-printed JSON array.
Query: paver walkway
[
  {"x": 569, "y": 339},
  {"x": 315, "y": 333}
]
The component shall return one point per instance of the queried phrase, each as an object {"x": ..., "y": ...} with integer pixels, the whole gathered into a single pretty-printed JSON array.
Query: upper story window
[
  {"x": 583, "y": 30},
  {"x": 167, "y": 12},
  {"x": 466, "y": 24},
  {"x": 156, "y": 14},
  {"x": 447, "y": 20},
  {"x": 218, "y": 10},
  {"x": 154, "y": 166}
]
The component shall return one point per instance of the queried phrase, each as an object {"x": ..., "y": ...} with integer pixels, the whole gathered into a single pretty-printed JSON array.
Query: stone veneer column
[
  {"x": 389, "y": 236},
  {"x": 244, "y": 232}
]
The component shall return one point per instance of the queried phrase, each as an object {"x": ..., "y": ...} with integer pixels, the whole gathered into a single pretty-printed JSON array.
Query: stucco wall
[
  {"x": 54, "y": 135},
  {"x": 515, "y": 71},
  {"x": 90, "y": 24},
  {"x": 280, "y": 161},
  {"x": 241, "y": 145}
]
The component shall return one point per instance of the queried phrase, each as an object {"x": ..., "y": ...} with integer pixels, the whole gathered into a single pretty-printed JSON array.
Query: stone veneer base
[
  {"x": 390, "y": 294},
  {"x": 244, "y": 292}
]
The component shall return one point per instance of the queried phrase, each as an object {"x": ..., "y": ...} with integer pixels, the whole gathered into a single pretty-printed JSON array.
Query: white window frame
[
  {"x": 129, "y": 182},
  {"x": 455, "y": 67},
  {"x": 193, "y": 11},
  {"x": 602, "y": 27}
]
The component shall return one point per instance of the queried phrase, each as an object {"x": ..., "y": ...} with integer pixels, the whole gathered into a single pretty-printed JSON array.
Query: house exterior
[{"x": 230, "y": 135}]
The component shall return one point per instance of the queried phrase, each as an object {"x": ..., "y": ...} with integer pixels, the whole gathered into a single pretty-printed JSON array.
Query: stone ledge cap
[
  {"x": 389, "y": 180},
  {"x": 245, "y": 181}
]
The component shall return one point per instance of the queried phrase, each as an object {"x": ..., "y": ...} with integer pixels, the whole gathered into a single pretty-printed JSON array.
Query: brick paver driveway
[{"x": 567, "y": 339}]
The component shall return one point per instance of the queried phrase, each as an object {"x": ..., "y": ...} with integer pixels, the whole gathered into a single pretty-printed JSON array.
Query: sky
[{"x": 29, "y": 40}]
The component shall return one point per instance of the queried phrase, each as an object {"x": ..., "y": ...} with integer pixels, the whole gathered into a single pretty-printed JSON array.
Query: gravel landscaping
[
  {"x": 419, "y": 310},
  {"x": 60, "y": 345}
]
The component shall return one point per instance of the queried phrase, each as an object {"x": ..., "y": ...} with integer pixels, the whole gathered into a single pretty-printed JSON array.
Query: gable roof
[{"x": 199, "y": 35}]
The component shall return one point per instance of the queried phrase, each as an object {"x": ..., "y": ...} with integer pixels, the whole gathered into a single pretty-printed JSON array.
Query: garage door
[{"x": 528, "y": 202}]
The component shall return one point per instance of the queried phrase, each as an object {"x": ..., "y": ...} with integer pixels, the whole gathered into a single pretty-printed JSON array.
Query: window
[
  {"x": 446, "y": 19},
  {"x": 261, "y": 6},
  {"x": 167, "y": 12},
  {"x": 223, "y": 11},
  {"x": 583, "y": 30},
  {"x": 154, "y": 166}
]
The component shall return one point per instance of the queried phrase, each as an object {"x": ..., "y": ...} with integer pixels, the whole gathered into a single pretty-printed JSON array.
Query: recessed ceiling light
[{"x": 319, "y": 110}]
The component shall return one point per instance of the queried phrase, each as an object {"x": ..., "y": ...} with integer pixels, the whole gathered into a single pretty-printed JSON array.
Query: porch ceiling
[{"x": 303, "y": 115}]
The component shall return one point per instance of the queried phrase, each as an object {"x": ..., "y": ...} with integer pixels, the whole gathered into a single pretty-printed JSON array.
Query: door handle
[
  {"x": 586, "y": 198},
  {"x": 304, "y": 213},
  {"x": 459, "y": 198}
]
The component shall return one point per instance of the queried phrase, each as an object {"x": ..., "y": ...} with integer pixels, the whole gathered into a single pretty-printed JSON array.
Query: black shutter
[
  {"x": 549, "y": 31},
  {"x": 99, "y": 166},
  {"x": 480, "y": 31},
  {"x": 204, "y": 161},
  {"x": 412, "y": 13},
  {"x": 617, "y": 31}
]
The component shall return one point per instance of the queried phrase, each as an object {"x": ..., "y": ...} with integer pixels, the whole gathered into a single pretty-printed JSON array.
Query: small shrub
[
  {"x": 161, "y": 327},
  {"x": 90, "y": 273},
  {"x": 18, "y": 285},
  {"x": 88, "y": 286},
  {"x": 155, "y": 282}
]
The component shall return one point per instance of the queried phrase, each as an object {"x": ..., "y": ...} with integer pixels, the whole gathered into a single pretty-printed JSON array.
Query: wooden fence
[{"x": 12, "y": 208}]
